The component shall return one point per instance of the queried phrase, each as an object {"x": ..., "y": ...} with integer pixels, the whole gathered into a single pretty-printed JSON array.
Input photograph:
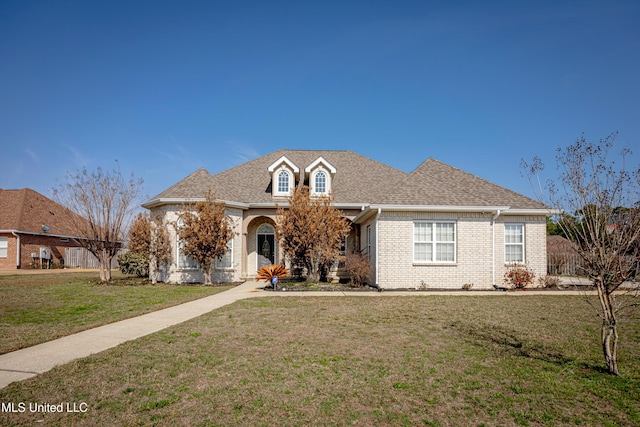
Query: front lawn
[
  {"x": 367, "y": 360},
  {"x": 35, "y": 308}
]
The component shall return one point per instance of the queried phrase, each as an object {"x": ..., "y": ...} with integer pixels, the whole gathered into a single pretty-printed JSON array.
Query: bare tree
[
  {"x": 205, "y": 232},
  {"x": 105, "y": 200},
  {"x": 606, "y": 228},
  {"x": 311, "y": 230}
]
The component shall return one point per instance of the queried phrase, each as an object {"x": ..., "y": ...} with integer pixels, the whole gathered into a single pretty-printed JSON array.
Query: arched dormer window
[
  {"x": 321, "y": 174},
  {"x": 284, "y": 182},
  {"x": 283, "y": 176},
  {"x": 320, "y": 183}
]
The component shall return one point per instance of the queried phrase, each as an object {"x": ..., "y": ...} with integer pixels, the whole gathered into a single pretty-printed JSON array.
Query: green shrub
[{"x": 134, "y": 263}]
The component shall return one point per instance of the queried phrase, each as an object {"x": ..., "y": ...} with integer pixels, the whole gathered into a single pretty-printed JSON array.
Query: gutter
[
  {"x": 367, "y": 211},
  {"x": 180, "y": 200},
  {"x": 493, "y": 246},
  {"x": 17, "y": 236},
  {"x": 378, "y": 251},
  {"x": 33, "y": 233}
]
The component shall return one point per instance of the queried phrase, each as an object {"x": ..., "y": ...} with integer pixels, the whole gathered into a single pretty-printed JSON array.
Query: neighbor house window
[
  {"x": 320, "y": 183},
  {"x": 434, "y": 241},
  {"x": 4, "y": 246},
  {"x": 226, "y": 261},
  {"x": 514, "y": 243},
  {"x": 283, "y": 182}
]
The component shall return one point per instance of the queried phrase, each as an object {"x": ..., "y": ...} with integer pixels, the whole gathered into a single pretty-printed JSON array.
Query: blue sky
[{"x": 166, "y": 87}]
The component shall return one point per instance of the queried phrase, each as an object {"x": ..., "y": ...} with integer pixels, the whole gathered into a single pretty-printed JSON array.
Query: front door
[{"x": 266, "y": 250}]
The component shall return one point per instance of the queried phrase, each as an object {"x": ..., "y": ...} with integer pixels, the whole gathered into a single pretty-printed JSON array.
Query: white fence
[{"x": 82, "y": 258}]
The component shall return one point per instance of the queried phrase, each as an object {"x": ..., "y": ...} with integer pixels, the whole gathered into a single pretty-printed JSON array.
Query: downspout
[
  {"x": 17, "y": 236},
  {"x": 493, "y": 246},
  {"x": 378, "y": 251}
]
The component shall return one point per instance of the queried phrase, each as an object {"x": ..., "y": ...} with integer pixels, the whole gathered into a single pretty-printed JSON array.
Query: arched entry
[{"x": 266, "y": 245}]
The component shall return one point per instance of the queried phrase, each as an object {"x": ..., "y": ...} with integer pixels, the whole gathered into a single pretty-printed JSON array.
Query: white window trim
[
  {"x": 4, "y": 247},
  {"x": 434, "y": 243},
  {"x": 327, "y": 182},
  {"x": 276, "y": 182},
  {"x": 523, "y": 244}
]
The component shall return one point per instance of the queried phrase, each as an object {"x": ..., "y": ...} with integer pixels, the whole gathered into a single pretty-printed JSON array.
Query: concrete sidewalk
[{"x": 31, "y": 361}]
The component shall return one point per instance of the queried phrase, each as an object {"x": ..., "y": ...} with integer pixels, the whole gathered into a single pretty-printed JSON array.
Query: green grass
[
  {"x": 35, "y": 308},
  {"x": 390, "y": 360}
]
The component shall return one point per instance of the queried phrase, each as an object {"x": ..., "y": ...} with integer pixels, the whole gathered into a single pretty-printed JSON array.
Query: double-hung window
[
  {"x": 514, "y": 243},
  {"x": 434, "y": 241},
  {"x": 4, "y": 247}
]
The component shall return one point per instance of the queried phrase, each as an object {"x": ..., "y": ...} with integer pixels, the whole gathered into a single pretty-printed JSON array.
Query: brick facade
[
  {"x": 31, "y": 244},
  {"x": 474, "y": 251}
]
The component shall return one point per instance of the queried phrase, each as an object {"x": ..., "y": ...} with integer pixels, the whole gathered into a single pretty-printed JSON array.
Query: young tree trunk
[
  {"x": 208, "y": 271},
  {"x": 105, "y": 266},
  {"x": 313, "y": 271},
  {"x": 153, "y": 271},
  {"x": 609, "y": 330}
]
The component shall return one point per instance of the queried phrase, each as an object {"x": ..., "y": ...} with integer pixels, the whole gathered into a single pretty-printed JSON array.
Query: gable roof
[
  {"x": 28, "y": 211},
  {"x": 358, "y": 180}
]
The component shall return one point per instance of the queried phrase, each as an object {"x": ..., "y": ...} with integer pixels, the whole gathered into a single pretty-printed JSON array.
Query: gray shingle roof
[{"x": 358, "y": 179}]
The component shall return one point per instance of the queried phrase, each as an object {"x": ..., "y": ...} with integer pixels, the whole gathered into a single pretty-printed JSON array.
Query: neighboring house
[
  {"x": 437, "y": 226},
  {"x": 34, "y": 230}
]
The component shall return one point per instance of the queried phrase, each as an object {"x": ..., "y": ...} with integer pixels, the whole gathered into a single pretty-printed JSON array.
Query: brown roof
[
  {"x": 435, "y": 183},
  {"x": 28, "y": 210},
  {"x": 358, "y": 179}
]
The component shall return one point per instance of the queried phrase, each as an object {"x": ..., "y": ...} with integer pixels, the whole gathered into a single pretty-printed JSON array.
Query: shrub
[
  {"x": 134, "y": 263},
  {"x": 519, "y": 276},
  {"x": 358, "y": 266},
  {"x": 549, "y": 281},
  {"x": 267, "y": 272}
]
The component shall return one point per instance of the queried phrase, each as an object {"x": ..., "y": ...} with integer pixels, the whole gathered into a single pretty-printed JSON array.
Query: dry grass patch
[
  {"x": 423, "y": 360},
  {"x": 35, "y": 308}
]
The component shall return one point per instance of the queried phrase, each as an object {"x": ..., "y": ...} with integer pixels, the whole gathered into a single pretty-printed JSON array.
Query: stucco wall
[{"x": 474, "y": 251}]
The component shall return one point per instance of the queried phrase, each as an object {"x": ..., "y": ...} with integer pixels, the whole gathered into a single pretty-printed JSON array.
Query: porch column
[{"x": 245, "y": 254}]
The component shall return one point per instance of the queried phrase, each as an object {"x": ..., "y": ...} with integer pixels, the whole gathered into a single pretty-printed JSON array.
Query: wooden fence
[
  {"x": 82, "y": 258},
  {"x": 567, "y": 264}
]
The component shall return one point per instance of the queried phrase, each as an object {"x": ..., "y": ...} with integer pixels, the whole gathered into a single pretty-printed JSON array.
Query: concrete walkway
[{"x": 31, "y": 361}]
